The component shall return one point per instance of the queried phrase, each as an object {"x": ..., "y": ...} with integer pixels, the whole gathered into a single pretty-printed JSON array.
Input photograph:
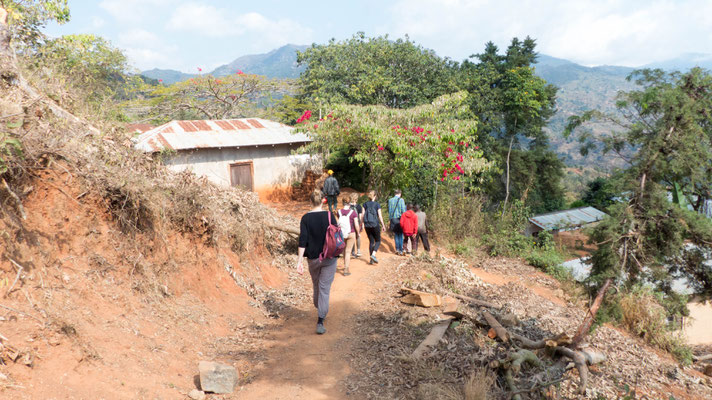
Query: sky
[{"x": 191, "y": 34}]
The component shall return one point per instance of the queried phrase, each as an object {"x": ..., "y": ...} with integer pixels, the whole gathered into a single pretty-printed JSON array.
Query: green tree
[
  {"x": 26, "y": 17},
  {"x": 374, "y": 71},
  {"x": 512, "y": 103},
  {"x": 600, "y": 194},
  {"x": 647, "y": 238}
]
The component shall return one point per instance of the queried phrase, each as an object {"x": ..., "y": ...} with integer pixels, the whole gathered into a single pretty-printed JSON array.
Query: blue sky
[{"x": 187, "y": 34}]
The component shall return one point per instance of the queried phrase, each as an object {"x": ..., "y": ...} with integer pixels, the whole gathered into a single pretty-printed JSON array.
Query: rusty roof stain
[
  {"x": 187, "y": 135},
  {"x": 139, "y": 128}
]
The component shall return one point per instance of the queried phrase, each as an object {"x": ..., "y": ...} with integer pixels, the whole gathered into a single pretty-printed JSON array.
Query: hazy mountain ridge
[{"x": 278, "y": 63}]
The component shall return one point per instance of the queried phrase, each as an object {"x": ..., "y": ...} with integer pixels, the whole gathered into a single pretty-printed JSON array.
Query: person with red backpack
[
  {"x": 313, "y": 230},
  {"x": 409, "y": 224}
]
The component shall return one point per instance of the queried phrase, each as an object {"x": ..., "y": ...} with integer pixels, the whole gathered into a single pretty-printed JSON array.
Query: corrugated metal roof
[
  {"x": 138, "y": 128},
  {"x": 567, "y": 218},
  {"x": 186, "y": 135}
]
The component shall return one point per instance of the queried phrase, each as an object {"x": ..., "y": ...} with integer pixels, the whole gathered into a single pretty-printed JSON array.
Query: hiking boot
[
  {"x": 320, "y": 330},
  {"x": 347, "y": 272},
  {"x": 374, "y": 260},
  {"x": 358, "y": 254}
]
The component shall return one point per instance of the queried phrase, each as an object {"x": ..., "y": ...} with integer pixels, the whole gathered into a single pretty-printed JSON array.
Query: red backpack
[{"x": 334, "y": 243}]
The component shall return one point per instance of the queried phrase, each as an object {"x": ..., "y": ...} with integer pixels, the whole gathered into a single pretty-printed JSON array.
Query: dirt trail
[{"x": 304, "y": 365}]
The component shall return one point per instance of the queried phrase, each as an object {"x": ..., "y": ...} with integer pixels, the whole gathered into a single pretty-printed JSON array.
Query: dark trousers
[
  {"x": 332, "y": 202},
  {"x": 374, "y": 239},
  {"x": 424, "y": 238}
]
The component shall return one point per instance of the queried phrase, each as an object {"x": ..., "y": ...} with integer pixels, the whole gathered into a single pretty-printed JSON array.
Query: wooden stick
[
  {"x": 432, "y": 339},
  {"x": 705, "y": 357},
  {"x": 492, "y": 321},
  {"x": 284, "y": 229},
  {"x": 474, "y": 301},
  {"x": 17, "y": 277}
]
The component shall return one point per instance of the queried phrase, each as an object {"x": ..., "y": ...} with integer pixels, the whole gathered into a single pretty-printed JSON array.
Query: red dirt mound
[{"x": 97, "y": 313}]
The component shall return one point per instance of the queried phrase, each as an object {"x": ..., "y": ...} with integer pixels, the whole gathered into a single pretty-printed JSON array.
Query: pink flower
[
  {"x": 452, "y": 130},
  {"x": 200, "y": 69},
  {"x": 442, "y": 179},
  {"x": 477, "y": 147},
  {"x": 160, "y": 80},
  {"x": 316, "y": 126},
  {"x": 239, "y": 72}
]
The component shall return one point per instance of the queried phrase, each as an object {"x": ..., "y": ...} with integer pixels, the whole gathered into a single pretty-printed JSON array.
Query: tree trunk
[
  {"x": 591, "y": 315},
  {"x": 506, "y": 196}
]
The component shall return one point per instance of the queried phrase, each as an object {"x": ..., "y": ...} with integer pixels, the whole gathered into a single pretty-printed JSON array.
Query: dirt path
[{"x": 303, "y": 365}]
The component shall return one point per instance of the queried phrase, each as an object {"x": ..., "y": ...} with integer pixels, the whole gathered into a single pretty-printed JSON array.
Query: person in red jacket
[{"x": 409, "y": 224}]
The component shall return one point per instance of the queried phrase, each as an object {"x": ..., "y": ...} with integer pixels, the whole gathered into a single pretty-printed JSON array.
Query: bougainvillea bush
[{"x": 436, "y": 142}]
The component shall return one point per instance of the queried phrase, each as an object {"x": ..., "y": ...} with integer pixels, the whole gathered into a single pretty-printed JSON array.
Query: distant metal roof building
[
  {"x": 200, "y": 134},
  {"x": 567, "y": 219}
]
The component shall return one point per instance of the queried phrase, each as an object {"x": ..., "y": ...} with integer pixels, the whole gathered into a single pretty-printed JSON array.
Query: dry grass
[
  {"x": 479, "y": 386},
  {"x": 644, "y": 316}
]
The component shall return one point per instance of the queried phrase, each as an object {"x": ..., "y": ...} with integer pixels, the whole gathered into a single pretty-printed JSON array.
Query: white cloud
[
  {"x": 590, "y": 32},
  {"x": 97, "y": 23},
  {"x": 206, "y": 20},
  {"x": 135, "y": 11},
  {"x": 146, "y": 49}
]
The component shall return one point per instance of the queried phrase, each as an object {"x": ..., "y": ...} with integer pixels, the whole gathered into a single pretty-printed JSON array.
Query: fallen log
[
  {"x": 432, "y": 339},
  {"x": 591, "y": 314},
  {"x": 498, "y": 328},
  {"x": 472, "y": 300}
]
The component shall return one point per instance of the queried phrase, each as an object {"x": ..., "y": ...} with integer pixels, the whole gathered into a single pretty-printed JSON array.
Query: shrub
[{"x": 641, "y": 311}]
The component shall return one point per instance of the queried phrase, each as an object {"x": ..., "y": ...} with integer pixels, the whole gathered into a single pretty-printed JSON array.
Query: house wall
[{"x": 274, "y": 167}]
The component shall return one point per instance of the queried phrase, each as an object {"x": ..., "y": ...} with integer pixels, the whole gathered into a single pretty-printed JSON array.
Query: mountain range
[
  {"x": 278, "y": 63},
  {"x": 581, "y": 88}
]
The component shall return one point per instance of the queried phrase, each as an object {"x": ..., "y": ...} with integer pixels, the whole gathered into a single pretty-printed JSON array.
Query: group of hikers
[{"x": 407, "y": 222}]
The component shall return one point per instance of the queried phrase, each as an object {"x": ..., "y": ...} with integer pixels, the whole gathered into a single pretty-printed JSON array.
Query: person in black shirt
[
  {"x": 331, "y": 190},
  {"x": 312, "y": 234},
  {"x": 373, "y": 223}
]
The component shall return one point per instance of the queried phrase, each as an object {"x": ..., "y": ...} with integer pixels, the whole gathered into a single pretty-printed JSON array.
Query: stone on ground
[
  {"x": 216, "y": 377},
  {"x": 196, "y": 394}
]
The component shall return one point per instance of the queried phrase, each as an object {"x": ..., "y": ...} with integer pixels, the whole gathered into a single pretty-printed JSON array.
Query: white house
[{"x": 251, "y": 152}]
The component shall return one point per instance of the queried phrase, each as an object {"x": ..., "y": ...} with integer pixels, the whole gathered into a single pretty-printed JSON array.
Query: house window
[{"x": 241, "y": 175}]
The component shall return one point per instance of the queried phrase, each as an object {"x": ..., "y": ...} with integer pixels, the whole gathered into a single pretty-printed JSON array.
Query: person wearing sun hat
[{"x": 331, "y": 190}]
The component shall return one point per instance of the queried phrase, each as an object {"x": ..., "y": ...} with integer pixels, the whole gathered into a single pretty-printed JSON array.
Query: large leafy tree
[
  {"x": 374, "y": 71},
  {"x": 647, "y": 237},
  {"x": 513, "y": 105}
]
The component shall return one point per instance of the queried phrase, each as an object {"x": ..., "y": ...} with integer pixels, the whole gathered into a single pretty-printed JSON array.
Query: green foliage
[
  {"x": 599, "y": 194},
  {"x": 666, "y": 129},
  {"x": 436, "y": 140},
  {"x": 288, "y": 109},
  {"x": 10, "y": 147},
  {"x": 86, "y": 62},
  {"x": 514, "y": 105},
  {"x": 374, "y": 71},
  {"x": 26, "y": 18}
]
